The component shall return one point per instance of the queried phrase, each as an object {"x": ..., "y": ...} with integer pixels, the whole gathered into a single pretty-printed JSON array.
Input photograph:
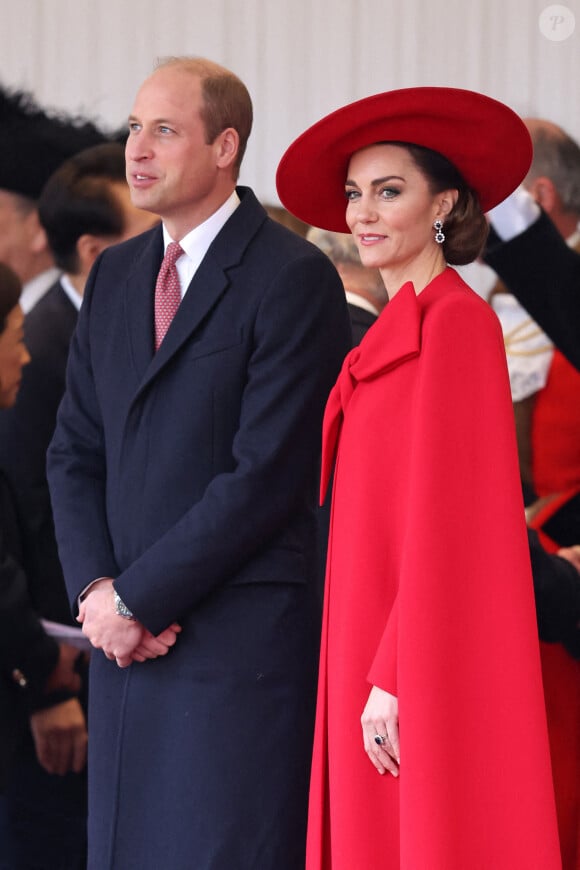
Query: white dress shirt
[{"x": 196, "y": 243}]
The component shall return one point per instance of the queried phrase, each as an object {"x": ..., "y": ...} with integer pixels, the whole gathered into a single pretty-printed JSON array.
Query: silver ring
[{"x": 379, "y": 740}]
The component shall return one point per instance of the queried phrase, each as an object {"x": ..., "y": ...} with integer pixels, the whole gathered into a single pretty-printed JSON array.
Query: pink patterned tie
[{"x": 167, "y": 292}]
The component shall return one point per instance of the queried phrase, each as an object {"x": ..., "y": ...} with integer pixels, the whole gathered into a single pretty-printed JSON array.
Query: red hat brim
[{"x": 484, "y": 139}]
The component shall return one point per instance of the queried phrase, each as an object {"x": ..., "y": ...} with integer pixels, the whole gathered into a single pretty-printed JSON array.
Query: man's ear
[
  {"x": 88, "y": 249},
  {"x": 227, "y": 146},
  {"x": 545, "y": 193}
]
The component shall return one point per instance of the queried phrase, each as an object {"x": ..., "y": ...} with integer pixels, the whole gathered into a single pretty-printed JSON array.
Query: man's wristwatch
[{"x": 121, "y": 608}]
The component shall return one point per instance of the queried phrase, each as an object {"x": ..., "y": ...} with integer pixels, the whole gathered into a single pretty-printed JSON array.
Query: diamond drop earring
[{"x": 439, "y": 234}]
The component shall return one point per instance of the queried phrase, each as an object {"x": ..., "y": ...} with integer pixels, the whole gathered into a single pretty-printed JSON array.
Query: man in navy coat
[
  {"x": 543, "y": 273},
  {"x": 184, "y": 486}
]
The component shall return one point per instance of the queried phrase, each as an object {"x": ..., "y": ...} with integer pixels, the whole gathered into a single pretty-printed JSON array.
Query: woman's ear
[{"x": 445, "y": 203}]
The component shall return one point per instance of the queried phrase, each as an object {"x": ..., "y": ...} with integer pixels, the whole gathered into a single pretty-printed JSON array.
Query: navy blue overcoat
[{"x": 190, "y": 476}]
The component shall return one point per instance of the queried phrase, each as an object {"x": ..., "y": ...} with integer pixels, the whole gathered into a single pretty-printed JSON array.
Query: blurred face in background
[
  {"x": 22, "y": 239},
  {"x": 13, "y": 357},
  {"x": 135, "y": 220}
]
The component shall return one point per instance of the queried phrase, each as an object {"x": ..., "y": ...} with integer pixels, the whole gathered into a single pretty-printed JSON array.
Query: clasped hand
[{"x": 122, "y": 640}]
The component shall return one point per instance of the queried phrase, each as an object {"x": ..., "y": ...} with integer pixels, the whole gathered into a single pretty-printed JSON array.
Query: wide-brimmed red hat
[{"x": 484, "y": 139}]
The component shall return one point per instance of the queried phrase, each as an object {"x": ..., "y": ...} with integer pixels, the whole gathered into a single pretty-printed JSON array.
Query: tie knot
[{"x": 172, "y": 254}]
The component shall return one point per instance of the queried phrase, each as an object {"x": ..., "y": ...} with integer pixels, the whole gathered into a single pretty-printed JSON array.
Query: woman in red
[{"x": 429, "y": 618}]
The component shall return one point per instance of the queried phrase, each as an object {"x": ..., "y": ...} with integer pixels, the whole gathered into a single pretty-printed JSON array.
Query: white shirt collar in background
[
  {"x": 35, "y": 289},
  {"x": 360, "y": 302},
  {"x": 574, "y": 240},
  {"x": 71, "y": 291}
]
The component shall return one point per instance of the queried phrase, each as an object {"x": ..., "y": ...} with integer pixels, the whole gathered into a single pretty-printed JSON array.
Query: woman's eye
[
  {"x": 351, "y": 195},
  {"x": 389, "y": 192}
]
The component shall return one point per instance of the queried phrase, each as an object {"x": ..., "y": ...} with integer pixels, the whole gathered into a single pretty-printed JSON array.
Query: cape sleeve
[{"x": 475, "y": 784}]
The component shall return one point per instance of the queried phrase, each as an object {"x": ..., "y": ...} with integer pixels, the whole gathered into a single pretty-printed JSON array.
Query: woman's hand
[{"x": 381, "y": 718}]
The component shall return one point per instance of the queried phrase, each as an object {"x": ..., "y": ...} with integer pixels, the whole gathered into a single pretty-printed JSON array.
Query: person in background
[
  {"x": 282, "y": 216},
  {"x": 33, "y": 144},
  {"x": 545, "y": 385},
  {"x": 33, "y": 673},
  {"x": 427, "y": 523},
  {"x": 84, "y": 207},
  {"x": 34, "y": 645},
  {"x": 548, "y": 423},
  {"x": 365, "y": 292},
  {"x": 183, "y": 476},
  {"x": 533, "y": 260}
]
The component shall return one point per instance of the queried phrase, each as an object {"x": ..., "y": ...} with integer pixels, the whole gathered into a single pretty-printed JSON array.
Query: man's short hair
[
  {"x": 557, "y": 157},
  {"x": 78, "y": 200},
  {"x": 341, "y": 249},
  {"x": 227, "y": 102},
  {"x": 338, "y": 247}
]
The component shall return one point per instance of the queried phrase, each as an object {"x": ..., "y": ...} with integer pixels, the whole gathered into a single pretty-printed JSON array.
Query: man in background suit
[
  {"x": 539, "y": 268},
  {"x": 553, "y": 180},
  {"x": 183, "y": 475},
  {"x": 365, "y": 292},
  {"x": 84, "y": 207},
  {"x": 540, "y": 273}
]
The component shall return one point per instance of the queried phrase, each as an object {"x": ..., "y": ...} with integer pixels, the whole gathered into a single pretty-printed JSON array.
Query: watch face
[{"x": 121, "y": 608}]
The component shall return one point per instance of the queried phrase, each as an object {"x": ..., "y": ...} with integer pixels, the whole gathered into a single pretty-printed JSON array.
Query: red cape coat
[{"x": 429, "y": 596}]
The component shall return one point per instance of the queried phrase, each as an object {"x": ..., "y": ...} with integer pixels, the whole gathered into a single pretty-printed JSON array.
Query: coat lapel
[
  {"x": 392, "y": 340},
  {"x": 204, "y": 292},
  {"x": 139, "y": 301}
]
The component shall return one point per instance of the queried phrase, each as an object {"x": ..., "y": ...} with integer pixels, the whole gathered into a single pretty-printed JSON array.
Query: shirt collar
[
  {"x": 360, "y": 302},
  {"x": 71, "y": 291},
  {"x": 197, "y": 241},
  {"x": 574, "y": 240},
  {"x": 35, "y": 289}
]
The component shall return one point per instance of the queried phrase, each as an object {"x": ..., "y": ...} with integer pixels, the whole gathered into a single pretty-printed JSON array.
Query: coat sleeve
[
  {"x": 544, "y": 274},
  {"x": 76, "y": 466},
  {"x": 467, "y": 659}
]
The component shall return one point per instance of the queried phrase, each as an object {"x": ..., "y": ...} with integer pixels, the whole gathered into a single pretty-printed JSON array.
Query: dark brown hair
[
  {"x": 78, "y": 199},
  {"x": 465, "y": 227}
]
